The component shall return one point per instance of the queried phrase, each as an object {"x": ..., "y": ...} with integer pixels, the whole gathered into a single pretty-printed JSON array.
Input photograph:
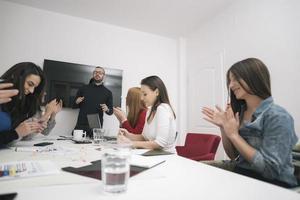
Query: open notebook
[
  {"x": 156, "y": 152},
  {"x": 146, "y": 162},
  {"x": 94, "y": 170},
  {"x": 137, "y": 164}
]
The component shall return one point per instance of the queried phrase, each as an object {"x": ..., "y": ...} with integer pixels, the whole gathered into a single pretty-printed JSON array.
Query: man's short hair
[{"x": 100, "y": 68}]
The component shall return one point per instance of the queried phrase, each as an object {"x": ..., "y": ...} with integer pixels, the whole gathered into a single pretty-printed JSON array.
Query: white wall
[
  {"x": 266, "y": 29},
  {"x": 29, "y": 34}
]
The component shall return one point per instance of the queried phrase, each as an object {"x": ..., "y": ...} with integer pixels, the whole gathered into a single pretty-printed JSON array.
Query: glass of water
[
  {"x": 115, "y": 167},
  {"x": 98, "y": 135}
]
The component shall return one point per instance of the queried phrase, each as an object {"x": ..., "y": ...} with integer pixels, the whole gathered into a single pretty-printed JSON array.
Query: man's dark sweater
[{"x": 94, "y": 95}]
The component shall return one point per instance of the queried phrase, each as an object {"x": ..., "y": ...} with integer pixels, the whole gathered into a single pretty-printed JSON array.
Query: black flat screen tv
[{"x": 64, "y": 79}]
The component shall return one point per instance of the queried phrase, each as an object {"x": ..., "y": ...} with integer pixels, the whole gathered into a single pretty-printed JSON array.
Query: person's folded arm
[
  {"x": 244, "y": 149},
  {"x": 228, "y": 146},
  {"x": 146, "y": 145},
  {"x": 135, "y": 137}
]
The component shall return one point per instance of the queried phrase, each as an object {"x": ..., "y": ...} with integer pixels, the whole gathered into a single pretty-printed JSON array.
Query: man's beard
[{"x": 98, "y": 81}]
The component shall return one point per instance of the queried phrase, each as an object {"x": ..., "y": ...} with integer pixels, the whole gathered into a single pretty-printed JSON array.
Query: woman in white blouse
[{"x": 160, "y": 128}]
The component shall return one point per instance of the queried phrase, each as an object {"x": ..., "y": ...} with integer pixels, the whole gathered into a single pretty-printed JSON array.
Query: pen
[
  {"x": 22, "y": 149},
  {"x": 31, "y": 149}
]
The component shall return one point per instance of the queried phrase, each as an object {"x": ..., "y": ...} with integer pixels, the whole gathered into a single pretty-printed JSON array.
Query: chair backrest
[{"x": 199, "y": 144}]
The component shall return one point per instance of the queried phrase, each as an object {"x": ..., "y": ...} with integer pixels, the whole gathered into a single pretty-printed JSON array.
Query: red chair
[{"x": 199, "y": 146}]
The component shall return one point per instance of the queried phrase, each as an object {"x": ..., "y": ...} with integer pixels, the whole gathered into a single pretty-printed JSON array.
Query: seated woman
[
  {"x": 160, "y": 128},
  {"x": 29, "y": 79},
  {"x": 135, "y": 120},
  {"x": 256, "y": 132}
]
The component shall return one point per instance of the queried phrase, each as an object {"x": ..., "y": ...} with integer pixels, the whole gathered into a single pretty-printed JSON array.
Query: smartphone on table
[{"x": 42, "y": 144}]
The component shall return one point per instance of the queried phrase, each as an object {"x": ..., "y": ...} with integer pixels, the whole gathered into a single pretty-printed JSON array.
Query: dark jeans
[
  {"x": 231, "y": 166},
  {"x": 255, "y": 175}
]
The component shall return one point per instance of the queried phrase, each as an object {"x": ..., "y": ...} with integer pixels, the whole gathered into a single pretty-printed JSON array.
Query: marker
[
  {"x": 5, "y": 171},
  {"x": 12, "y": 171}
]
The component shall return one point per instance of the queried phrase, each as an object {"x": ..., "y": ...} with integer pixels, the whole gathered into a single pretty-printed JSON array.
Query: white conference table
[{"x": 177, "y": 178}]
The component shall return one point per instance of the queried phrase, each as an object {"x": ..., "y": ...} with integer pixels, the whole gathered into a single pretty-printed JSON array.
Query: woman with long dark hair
[
  {"x": 160, "y": 127},
  {"x": 256, "y": 132},
  {"x": 29, "y": 80}
]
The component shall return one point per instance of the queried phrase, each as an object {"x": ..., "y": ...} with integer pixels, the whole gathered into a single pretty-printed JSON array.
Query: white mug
[{"x": 79, "y": 135}]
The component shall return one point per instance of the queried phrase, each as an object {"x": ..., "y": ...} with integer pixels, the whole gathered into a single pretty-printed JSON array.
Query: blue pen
[{"x": 5, "y": 171}]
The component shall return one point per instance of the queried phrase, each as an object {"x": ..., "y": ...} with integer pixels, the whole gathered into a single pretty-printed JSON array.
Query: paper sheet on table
[
  {"x": 51, "y": 149},
  {"x": 147, "y": 162},
  {"x": 139, "y": 151},
  {"x": 21, "y": 169}
]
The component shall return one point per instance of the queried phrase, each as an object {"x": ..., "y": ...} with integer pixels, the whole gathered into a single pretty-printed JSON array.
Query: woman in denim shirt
[{"x": 256, "y": 132}]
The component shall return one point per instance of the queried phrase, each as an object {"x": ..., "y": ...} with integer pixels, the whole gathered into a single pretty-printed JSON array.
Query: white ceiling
[{"x": 171, "y": 18}]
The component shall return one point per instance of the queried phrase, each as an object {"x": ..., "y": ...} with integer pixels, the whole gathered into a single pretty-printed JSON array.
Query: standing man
[{"x": 93, "y": 98}]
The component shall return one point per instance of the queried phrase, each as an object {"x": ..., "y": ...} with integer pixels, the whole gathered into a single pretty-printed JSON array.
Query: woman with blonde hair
[{"x": 136, "y": 109}]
